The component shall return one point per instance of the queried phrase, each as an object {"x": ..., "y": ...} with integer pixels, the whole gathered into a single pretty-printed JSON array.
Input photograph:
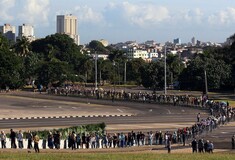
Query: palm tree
[{"x": 22, "y": 46}]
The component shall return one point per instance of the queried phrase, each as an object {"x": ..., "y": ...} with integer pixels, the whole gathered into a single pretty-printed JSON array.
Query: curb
[{"x": 65, "y": 117}]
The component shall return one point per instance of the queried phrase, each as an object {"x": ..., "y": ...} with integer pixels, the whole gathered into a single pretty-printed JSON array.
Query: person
[
  {"x": 78, "y": 141},
  {"x": 206, "y": 146},
  {"x": 210, "y": 147},
  {"x": 183, "y": 138},
  {"x": 198, "y": 117},
  {"x": 29, "y": 136},
  {"x": 13, "y": 138},
  {"x": 115, "y": 140},
  {"x": 50, "y": 140},
  {"x": 200, "y": 145},
  {"x": 57, "y": 140},
  {"x": 73, "y": 140},
  {"x": 36, "y": 141},
  {"x": 156, "y": 137},
  {"x": 3, "y": 139},
  {"x": 194, "y": 145},
  {"x": 169, "y": 145},
  {"x": 233, "y": 145},
  {"x": 20, "y": 139}
]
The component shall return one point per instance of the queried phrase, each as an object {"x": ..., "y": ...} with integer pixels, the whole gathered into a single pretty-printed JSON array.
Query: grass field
[{"x": 115, "y": 156}]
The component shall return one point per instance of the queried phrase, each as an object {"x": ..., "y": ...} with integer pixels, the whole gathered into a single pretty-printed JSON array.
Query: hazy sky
[{"x": 120, "y": 21}]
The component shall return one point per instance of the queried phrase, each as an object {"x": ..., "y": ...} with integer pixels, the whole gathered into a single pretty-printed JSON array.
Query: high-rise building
[
  {"x": 177, "y": 41},
  {"x": 67, "y": 24},
  {"x": 193, "y": 41},
  {"x": 26, "y": 31},
  {"x": 9, "y": 32}
]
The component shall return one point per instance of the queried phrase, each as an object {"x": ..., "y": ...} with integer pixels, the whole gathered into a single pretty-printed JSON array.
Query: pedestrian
[
  {"x": 210, "y": 147},
  {"x": 3, "y": 139},
  {"x": 50, "y": 140},
  {"x": 169, "y": 145},
  {"x": 29, "y": 137},
  {"x": 206, "y": 146},
  {"x": 194, "y": 145},
  {"x": 183, "y": 137},
  {"x": 13, "y": 138},
  {"x": 198, "y": 117},
  {"x": 36, "y": 141},
  {"x": 20, "y": 139},
  {"x": 78, "y": 141},
  {"x": 56, "y": 137},
  {"x": 200, "y": 145},
  {"x": 73, "y": 140},
  {"x": 233, "y": 145}
]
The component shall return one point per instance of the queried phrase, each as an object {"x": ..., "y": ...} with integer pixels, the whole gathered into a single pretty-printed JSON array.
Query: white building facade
[
  {"x": 26, "y": 31},
  {"x": 67, "y": 24},
  {"x": 9, "y": 32}
]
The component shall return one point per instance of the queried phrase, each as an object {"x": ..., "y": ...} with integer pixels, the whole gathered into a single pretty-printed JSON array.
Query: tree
[
  {"x": 30, "y": 65},
  {"x": 133, "y": 71},
  {"x": 193, "y": 77},
  {"x": 11, "y": 66},
  {"x": 59, "y": 47},
  {"x": 175, "y": 66},
  {"x": 97, "y": 46},
  {"x": 11, "y": 70},
  {"x": 53, "y": 73},
  {"x": 22, "y": 46},
  {"x": 152, "y": 75}
]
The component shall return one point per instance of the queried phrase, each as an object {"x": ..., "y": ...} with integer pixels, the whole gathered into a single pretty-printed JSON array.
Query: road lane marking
[
  {"x": 169, "y": 112},
  {"x": 120, "y": 110}
]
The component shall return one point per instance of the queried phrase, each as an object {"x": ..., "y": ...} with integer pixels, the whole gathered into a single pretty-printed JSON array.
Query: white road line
[
  {"x": 60, "y": 107},
  {"x": 120, "y": 110},
  {"x": 45, "y": 106},
  {"x": 169, "y": 112},
  {"x": 74, "y": 107}
]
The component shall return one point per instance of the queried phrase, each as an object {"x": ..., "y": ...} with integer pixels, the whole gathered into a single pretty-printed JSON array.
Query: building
[
  {"x": 134, "y": 52},
  {"x": 193, "y": 41},
  {"x": 9, "y": 32},
  {"x": 26, "y": 31},
  {"x": 67, "y": 24},
  {"x": 177, "y": 41},
  {"x": 104, "y": 42}
]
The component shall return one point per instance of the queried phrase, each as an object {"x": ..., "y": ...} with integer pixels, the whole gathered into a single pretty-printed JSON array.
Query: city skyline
[{"x": 120, "y": 21}]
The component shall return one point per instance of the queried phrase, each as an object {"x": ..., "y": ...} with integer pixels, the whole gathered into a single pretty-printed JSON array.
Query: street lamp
[
  {"x": 96, "y": 71},
  {"x": 165, "y": 91},
  {"x": 125, "y": 75},
  {"x": 114, "y": 78},
  {"x": 206, "y": 86}
]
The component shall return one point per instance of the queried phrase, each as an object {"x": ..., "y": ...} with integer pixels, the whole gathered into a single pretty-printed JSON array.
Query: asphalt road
[{"x": 27, "y": 104}]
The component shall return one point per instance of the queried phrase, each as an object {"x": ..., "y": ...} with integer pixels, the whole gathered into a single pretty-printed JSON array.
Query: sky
[{"x": 128, "y": 20}]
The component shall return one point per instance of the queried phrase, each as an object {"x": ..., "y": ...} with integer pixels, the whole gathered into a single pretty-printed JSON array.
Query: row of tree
[{"x": 55, "y": 59}]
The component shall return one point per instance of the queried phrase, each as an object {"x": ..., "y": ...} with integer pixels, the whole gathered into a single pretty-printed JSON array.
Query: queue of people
[
  {"x": 220, "y": 114},
  {"x": 201, "y": 146},
  {"x": 121, "y": 140},
  {"x": 145, "y": 97}
]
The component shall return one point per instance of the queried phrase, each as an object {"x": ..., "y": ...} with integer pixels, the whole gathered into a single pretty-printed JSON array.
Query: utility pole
[
  {"x": 165, "y": 92},
  {"x": 96, "y": 71},
  {"x": 124, "y": 75},
  {"x": 206, "y": 86}
]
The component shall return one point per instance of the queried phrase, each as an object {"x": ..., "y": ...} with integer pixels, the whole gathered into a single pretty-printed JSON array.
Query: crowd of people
[
  {"x": 220, "y": 114},
  {"x": 145, "y": 97},
  {"x": 201, "y": 146}
]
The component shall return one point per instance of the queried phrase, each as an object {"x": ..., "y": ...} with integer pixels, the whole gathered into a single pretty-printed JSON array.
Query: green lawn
[{"x": 115, "y": 156}]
